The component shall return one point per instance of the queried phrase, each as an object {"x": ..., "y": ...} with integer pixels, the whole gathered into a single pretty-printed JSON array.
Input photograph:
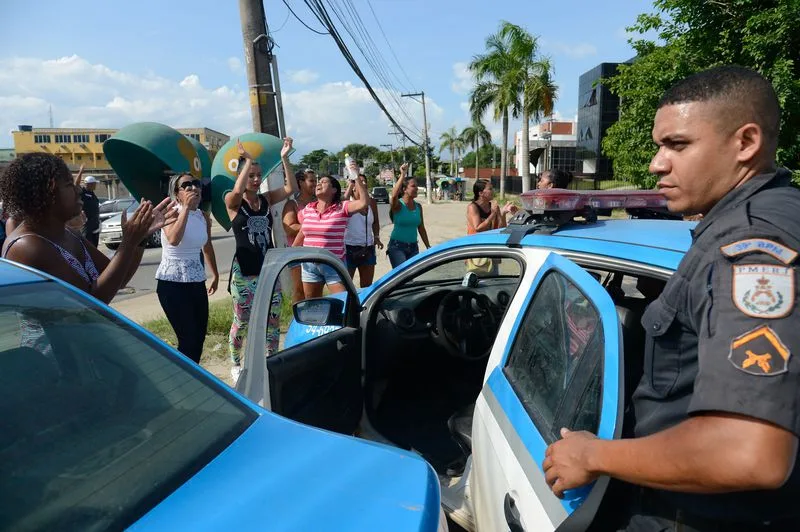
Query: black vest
[{"x": 253, "y": 233}]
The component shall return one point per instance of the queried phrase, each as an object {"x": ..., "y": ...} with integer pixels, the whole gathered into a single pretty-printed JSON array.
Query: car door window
[{"x": 554, "y": 362}]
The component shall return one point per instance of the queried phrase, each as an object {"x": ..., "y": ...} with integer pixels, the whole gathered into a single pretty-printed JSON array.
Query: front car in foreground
[
  {"x": 103, "y": 426},
  {"x": 476, "y": 352}
]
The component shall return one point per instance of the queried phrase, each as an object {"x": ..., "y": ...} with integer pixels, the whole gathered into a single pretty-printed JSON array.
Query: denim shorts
[
  {"x": 370, "y": 260},
  {"x": 314, "y": 272},
  {"x": 399, "y": 252}
]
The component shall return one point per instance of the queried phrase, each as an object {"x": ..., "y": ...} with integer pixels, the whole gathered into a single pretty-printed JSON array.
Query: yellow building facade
[{"x": 84, "y": 146}]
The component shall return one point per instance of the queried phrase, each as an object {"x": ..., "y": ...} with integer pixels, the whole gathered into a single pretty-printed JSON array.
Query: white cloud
[
  {"x": 235, "y": 64},
  {"x": 573, "y": 50},
  {"x": 84, "y": 94},
  {"x": 303, "y": 77},
  {"x": 463, "y": 78}
]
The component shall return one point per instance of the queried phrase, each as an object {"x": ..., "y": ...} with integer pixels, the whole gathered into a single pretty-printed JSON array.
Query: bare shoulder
[{"x": 31, "y": 250}]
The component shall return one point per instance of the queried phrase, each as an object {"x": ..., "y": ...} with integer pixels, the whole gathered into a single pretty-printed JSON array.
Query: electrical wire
[
  {"x": 385, "y": 38},
  {"x": 322, "y": 15},
  {"x": 301, "y": 20}
]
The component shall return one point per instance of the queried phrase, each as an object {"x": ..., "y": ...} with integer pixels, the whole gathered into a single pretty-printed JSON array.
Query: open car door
[
  {"x": 318, "y": 382},
  {"x": 556, "y": 364}
]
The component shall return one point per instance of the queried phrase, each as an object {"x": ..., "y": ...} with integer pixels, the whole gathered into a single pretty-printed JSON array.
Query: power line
[
  {"x": 380, "y": 27},
  {"x": 301, "y": 20},
  {"x": 322, "y": 15}
]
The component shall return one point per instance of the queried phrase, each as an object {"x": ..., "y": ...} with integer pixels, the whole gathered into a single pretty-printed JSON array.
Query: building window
[
  {"x": 195, "y": 136},
  {"x": 554, "y": 364},
  {"x": 78, "y": 157},
  {"x": 63, "y": 139},
  {"x": 101, "y": 138},
  {"x": 80, "y": 138},
  {"x": 99, "y": 157},
  {"x": 41, "y": 139}
]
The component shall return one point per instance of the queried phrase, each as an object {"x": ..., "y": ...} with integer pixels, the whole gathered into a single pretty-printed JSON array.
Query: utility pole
[
  {"x": 428, "y": 188},
  {"x": 391, "y": 152},
  {"x": 259, "y": 62}
]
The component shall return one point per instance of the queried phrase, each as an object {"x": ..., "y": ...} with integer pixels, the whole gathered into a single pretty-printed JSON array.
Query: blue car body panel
[
  {"x": 660, "y": 243},
  {"x": 280, "y": 475},
  {"x": 283, "y": 475}
]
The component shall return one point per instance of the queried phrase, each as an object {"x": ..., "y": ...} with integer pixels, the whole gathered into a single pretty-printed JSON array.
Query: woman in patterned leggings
[{"x": 251, "y": 221}]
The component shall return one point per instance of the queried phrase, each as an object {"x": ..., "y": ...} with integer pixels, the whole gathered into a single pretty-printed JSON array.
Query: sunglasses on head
[{"x": 191, "y": 184}]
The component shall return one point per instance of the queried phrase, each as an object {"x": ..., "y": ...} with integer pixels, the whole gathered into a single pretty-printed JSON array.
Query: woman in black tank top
[{"x": 251, "y": 221}]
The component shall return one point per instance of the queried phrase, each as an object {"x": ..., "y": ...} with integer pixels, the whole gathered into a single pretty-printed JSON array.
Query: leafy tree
[
  {"x": 496, "y": 89},
  {"x": 312, "y": 159},
  {"x": 532, "y": 78},
  {"x": 489, "y": 156},
  {"x": 452, "y": 142},
  {"x": 359, "y": 152},
  {"x": 698, "y": 34},
  {"x": 474, "y": 135}
]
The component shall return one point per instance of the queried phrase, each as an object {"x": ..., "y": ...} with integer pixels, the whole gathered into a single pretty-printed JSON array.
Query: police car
[
  {"x": 105, "y": 427},
  {"x": 476, "y": 352}
]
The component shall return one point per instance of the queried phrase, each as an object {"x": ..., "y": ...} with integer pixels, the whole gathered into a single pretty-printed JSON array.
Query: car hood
[{"x": 281, "y": 475}]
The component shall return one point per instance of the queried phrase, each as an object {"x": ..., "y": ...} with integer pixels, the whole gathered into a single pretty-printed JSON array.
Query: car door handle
[{"x": 512, "y": 514}]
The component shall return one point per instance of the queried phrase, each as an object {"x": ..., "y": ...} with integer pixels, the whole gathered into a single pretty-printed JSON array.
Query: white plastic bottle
[{"x": 351, "y": 173}]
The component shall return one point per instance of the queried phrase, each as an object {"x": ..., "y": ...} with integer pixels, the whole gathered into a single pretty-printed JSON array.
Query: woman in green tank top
[{"x": 408, "y": 221}]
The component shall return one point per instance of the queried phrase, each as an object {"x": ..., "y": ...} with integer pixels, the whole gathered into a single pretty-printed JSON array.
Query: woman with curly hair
[{"x": 39, "y": 193}]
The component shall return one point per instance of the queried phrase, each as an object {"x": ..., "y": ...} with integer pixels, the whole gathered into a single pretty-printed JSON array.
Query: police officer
[
  {"x": 718, "y": 407},
  {"x": 91, "y": 209}
]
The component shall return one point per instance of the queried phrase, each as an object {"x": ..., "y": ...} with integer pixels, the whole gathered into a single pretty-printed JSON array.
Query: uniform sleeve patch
[
  {"x": 760, "y": 352},
  {"x": 763, "y": 290},
  {"x": 760, "y": 245}
]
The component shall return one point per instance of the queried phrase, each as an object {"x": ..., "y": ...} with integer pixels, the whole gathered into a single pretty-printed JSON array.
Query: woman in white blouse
[{"x": 181, "y": 276}]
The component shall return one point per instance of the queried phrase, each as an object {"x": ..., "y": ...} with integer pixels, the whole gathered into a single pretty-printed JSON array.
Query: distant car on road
[
  {"x": 111, "y": 229},
  {"x": 380, "y": 194},
  {"x": 105, "y": 427},
  {"x": 114, "y": 207}
]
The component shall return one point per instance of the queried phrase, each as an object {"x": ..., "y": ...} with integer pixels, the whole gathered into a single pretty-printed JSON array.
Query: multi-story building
[
  {"x": 598, "y": 109},
  {"x": 552, "y": 145},
  {"x": 84, "y": 146}
]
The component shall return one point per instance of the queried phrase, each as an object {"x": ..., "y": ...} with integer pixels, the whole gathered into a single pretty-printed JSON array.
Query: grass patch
[{"x": 220, "y": 317}]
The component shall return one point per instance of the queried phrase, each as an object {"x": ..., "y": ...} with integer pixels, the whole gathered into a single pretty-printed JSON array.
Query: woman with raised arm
[
  {"x": 293, "y": 221},
  {"x": 324, "y": 225},
  {"x": 406, "y": 214},
  {"x": 251, "y": 220},
  {"x": 181, "y": 274},
  {"x": 362, "y": 236},
  {"x": 41, "y": 196}
]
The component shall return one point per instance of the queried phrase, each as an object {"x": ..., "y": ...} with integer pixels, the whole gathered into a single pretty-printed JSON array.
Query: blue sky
[{"x": 109, "y": 63}]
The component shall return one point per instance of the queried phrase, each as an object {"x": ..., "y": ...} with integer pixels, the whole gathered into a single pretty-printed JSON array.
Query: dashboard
[{"x": 412, "y": 310}]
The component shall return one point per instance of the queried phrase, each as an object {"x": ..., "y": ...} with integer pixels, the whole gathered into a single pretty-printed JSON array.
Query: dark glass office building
[{"x": 598, "y": 109}]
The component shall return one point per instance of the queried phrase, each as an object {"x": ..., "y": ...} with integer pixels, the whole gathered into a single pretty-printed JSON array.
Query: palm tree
[
  {"x": 453, "y": 143},
  {"x": 532, "y": 77},
  {"x": 474, "y": 135},
  {"x": 496, "y": 88}
]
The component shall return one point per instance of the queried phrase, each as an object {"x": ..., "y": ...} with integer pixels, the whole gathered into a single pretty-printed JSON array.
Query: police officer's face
[{"x": 697, "y": 161}]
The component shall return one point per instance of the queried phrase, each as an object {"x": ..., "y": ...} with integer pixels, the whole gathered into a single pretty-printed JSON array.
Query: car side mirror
[{"x": 320, "y": 311}]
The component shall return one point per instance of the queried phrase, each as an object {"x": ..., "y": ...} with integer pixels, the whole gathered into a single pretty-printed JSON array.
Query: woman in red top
[{"x": 324, "y": 225}]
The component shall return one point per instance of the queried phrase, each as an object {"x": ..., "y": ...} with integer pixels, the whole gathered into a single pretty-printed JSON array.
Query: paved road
[{"x": 144, "y": 282}]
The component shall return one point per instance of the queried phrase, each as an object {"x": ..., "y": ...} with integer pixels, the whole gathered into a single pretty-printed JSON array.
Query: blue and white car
[
  {"x": 476, "y": 352},
  {"x": 105, "y": 427}
]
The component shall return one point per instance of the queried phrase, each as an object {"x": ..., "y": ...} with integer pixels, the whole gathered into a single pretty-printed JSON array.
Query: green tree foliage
[
  {"x": 695, "y": 35},
  {"x": 489, "y": 155},
  {"x": 359, "y": 152},
  {"x": 313, "y": 159},
  {"x": 475, "y": 135},
  {"x": 453, "y": 143}
]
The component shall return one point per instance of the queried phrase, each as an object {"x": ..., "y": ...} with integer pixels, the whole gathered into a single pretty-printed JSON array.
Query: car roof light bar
[{"x": 546, "y": 210}]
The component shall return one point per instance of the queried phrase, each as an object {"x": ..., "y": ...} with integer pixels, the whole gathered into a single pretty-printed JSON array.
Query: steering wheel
[{"x": 466, "y": 324}]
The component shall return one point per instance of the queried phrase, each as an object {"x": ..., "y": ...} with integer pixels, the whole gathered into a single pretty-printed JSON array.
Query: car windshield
[{"x": 98, "y": 422}]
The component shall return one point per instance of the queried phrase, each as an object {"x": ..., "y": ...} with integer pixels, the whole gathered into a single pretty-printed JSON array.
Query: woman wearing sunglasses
[{"x": 181, "y": 275}]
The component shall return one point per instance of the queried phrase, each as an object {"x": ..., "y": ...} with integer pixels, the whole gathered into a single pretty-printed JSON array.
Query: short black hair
[
  {"x": 747, "y": 95},
  {"x": 25, "y": 184}
]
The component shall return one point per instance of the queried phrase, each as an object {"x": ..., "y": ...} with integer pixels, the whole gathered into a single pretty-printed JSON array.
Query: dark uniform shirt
[
  {"x": 724, "y": 335},
  {"x": 91, "y": 208}
]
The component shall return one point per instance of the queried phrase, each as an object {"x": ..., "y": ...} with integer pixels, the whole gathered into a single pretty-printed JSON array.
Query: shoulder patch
[
  {"x": 760, "y": 352},
  {"x": 760, "y": 245},
  {"x": 763, "y": 290}
]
